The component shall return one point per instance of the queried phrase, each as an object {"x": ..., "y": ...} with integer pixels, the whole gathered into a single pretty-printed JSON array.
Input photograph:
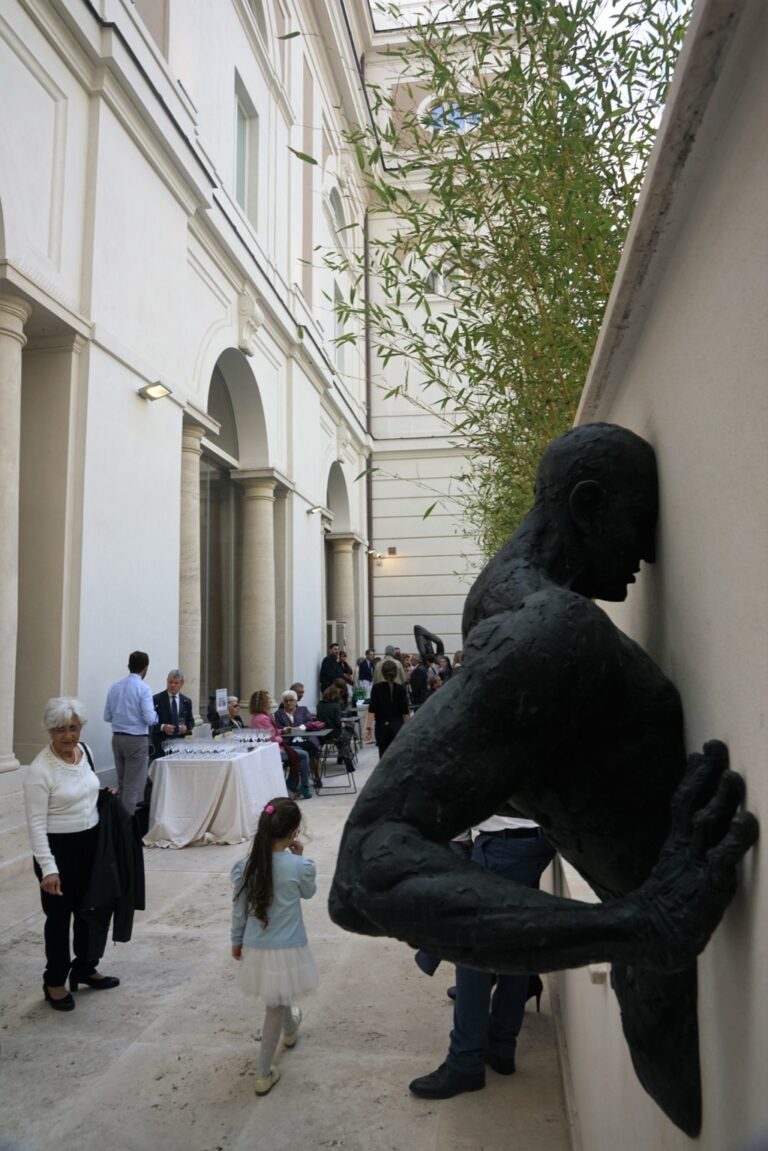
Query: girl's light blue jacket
[{"x": 294, "y": 879}]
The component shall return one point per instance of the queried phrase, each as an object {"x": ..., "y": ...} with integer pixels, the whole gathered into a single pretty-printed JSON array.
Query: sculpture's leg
[{"x": 658, "y": 1014}]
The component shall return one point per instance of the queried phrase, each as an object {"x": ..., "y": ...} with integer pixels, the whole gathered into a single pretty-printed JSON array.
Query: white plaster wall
[
  {"x": 691, "y": 377},
  {"x": 427, "y": 581},
  {"x": 130, "y": 553},
  {"x": 43, "y": 137},
  {"x": 139, "y": 260}
]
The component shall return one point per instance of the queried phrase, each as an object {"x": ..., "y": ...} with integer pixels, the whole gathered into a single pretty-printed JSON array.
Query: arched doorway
[
  {"x": 341, "y": 558},
  {"x": 221, "y": 527},
  {"x": 237, "y": 563}
]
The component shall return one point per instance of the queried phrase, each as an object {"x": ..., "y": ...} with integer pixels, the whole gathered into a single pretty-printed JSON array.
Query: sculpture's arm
[
  {"x": 391, "y": 881},
  {"x": 534, "y": 681},
  {"x": 424, "y": 638}
]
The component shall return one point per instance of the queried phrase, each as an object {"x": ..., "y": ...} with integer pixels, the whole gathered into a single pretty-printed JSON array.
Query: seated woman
[
  {"x": 389, "y": 706},
  {"x": 262, "y": 705},
  {"x": 329, "y": 710},
  {"x": 294, "y": 717},
  {"x": 61, "y": 790},
  {"x": 232, "y": 721}
]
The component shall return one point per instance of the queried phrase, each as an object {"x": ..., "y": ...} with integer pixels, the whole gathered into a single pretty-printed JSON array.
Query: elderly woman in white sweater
[{"x": 60, "y": 792}]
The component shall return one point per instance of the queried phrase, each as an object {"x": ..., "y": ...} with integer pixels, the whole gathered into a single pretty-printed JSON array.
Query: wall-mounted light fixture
[
  {"x": 313, "y": 511},
  {"x": 156, "y": 391},
  {"x": 376, "y": 555}
]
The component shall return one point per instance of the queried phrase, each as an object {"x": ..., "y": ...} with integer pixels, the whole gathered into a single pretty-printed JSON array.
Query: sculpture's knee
[{"x": 345, "y": 912}]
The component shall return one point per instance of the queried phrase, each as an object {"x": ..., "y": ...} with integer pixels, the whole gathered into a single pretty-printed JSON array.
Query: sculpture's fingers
[
  {"x": 723, "y": 859},
  {"x": 711, "y": 823},
  {"x": 699, "y": 783}
]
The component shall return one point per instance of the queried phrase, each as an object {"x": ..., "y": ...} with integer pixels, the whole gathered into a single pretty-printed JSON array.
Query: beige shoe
[
  {"x": 264, "y": 1085},
  {"x": 290, "y": 1037}
]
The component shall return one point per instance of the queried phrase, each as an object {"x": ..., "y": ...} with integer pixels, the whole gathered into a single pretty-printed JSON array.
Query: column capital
[
  {"x": 344, "y": 541},
  {"x": 276, "y": 478},
  {"x": 191, "y": 438},
  {"x": 341, "y": 544},
  {"x": 255, "y": 487},
  {"x": 14, "y": 313}
]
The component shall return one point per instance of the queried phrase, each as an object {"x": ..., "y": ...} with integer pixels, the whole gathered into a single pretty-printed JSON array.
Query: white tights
[{"x": 276, "y": 1020}]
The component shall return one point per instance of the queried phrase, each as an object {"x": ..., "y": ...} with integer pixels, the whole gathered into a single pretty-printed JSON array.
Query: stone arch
[
  {"x": 242, "y": 390},
  {"x": 337, "y": 498}
]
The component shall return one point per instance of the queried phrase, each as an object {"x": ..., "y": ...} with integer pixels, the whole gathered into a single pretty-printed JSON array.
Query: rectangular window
[{"x": 246, "y": 153}]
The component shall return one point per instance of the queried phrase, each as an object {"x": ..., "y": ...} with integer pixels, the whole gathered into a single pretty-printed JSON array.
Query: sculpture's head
[{"x": 598, "y": 484}]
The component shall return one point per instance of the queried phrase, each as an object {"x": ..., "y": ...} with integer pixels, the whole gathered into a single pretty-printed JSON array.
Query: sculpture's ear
[{"x": 585, "y": 502}]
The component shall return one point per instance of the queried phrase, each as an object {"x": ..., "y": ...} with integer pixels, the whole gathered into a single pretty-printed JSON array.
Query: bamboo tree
[{"x": 514, "y": 184}]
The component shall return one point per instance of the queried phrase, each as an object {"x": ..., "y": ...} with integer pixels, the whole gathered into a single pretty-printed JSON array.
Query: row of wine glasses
[
  {"x": 235, "y": 743},
  {"x": 252, "y": 735},
  {"x": 201, "y": 748}
]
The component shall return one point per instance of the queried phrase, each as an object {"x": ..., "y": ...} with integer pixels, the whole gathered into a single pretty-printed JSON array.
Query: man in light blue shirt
[{"x": 131, "y": 712}]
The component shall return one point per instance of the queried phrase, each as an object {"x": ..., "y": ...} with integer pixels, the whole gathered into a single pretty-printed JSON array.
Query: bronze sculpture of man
[{"x": 561, "y": 715}]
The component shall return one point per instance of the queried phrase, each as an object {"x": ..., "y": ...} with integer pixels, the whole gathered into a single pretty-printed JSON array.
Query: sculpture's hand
[{"x": 695, "y": 879}]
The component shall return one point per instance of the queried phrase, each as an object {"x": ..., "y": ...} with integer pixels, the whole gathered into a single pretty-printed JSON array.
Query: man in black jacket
[
  {"x": 174, "y": 712},
  {"x": 331, "y": 668}
]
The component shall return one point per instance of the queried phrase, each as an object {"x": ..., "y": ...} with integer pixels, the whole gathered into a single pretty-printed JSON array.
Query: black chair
[{"x": 331, "y": 770}]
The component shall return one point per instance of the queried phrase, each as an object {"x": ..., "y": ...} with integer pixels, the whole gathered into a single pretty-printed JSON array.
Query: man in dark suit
[
  {"x": 174, "y": 712},
  {"x": 365, "y": 668}
]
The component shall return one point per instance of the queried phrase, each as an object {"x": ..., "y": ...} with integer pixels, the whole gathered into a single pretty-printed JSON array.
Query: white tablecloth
[{"x": 212, "y": 800}]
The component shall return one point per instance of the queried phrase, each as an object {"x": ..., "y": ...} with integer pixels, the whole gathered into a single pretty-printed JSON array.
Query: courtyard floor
[{"x": 168, "y": 1059}]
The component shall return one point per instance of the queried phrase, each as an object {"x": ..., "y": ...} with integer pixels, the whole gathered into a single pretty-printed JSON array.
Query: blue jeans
[
  {"x": 482, "y": 1022},
  {"x": 302, "y": 758}
]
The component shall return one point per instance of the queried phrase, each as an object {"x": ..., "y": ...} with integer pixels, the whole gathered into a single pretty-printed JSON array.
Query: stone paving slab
[{"x": 168, "y": 1059}]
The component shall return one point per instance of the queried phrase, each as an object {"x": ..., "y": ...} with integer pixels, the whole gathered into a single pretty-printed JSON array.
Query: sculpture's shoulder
[
  {"x": 553, "y": 635},
  {"x": 554, "y": 614}
]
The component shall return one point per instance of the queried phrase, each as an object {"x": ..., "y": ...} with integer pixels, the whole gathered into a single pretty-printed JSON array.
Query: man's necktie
[{"x": 174, "y": 711}]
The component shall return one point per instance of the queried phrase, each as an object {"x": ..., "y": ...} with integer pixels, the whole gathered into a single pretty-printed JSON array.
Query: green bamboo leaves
[{"x": 505, "y": 166}]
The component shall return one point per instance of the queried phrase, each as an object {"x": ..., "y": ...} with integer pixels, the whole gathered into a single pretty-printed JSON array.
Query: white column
[
  {"x": 257, "y": 604},
  {"x": 14, "y": 313},
  {"x": 190, "y": 604},
  {"x": 343, "y": 585}
]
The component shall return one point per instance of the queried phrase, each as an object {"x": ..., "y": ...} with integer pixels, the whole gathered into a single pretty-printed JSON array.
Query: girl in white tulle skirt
[{"x": 268, "y": 934}]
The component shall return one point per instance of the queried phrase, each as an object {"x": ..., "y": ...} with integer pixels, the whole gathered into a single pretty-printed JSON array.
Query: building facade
[{"x": 170, "y": 174}]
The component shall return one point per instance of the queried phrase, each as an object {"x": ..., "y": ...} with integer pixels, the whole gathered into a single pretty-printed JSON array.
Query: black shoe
[
  {"x": 500, "y": 1064},
  {"x": 451, "y": 992},
  {"x": 104, "y": 983},
  {"x": 66, "y": 1003},
  {"x": 535, "y": 989},
  {"x": 445, "y": 1083}
]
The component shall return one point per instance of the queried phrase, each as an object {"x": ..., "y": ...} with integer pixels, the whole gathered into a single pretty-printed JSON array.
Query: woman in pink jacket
[{"x": 262, "y": 706}]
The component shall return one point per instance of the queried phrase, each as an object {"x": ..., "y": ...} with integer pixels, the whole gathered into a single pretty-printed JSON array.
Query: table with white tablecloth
[{"x": 216, "y": 800}]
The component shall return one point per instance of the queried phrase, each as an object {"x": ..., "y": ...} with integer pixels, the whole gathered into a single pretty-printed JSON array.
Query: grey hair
[
  {"x": 289, "y": 694},
  {"x": 231, "y": 698},
  {"x": 60, "y": 711},
  {"x": 175, "y": 673}
]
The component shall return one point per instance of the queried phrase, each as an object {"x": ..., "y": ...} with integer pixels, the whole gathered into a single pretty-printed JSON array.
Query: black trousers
[
  {"x": 385, "y": 731},
  {"x": 73, "y": 852}
]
